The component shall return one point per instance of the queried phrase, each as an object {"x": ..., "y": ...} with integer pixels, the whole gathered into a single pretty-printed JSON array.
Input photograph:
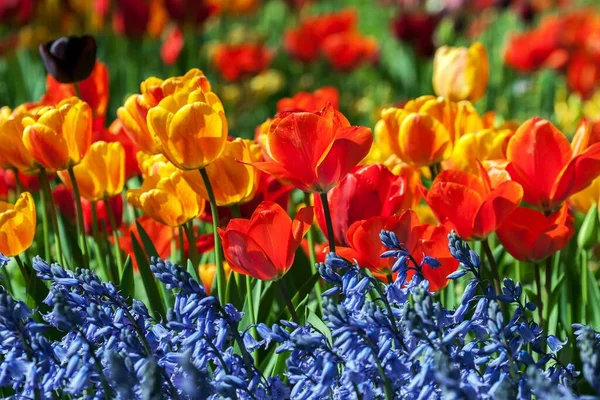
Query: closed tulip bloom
[
  {"x": 529, "y": 235},
  {"x": 366, "y": 192},
  {"x": 61, "y": 135},
  {"x": 154, "y": 164},
  {"x": 169, "y": 199},
  {"x": 134, "y": 112},
  {"x": 543, "y": 162},
  {"x": 264, "y": 246},
  {"x": 314, "y": 151},
  {"x": 69, "y": 59},
  {"x": 101, "y": 172},
  {"x": 17, "y": 225},
  {"x": 12, "y": 149},
  {"x": 207, "y": 273},
  {"x": 487, "y": 144},
  {"x": 460, "y": 73},
  {"x": 346, "y": 51},
  {"x": 189, "y": 127},
  {"x": 470, "y": 203},
  {"x": 419, "y": 240},
  {"x": 232, "y": 181}
]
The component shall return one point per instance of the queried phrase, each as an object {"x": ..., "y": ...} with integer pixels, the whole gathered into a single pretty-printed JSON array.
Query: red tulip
[
  {"x": 529, "y": 235},
  {"x": 172, "y": 46},
  {"x": 29, "y": 183},
  {"x": 237, "y": 61},
  {"x": 65, "y": 202},
  {"x": 311, "y": 102},
  {"x": 542, "y": 161},
  {"x": 132, "y": 17},
  {"x": 3, "y": 185},
  {"x": 182, "y": 11},
  {"x": 160, "y": 234},
  {"x": 583, "y": 73},
  {"x": 264, "y": 246},
  {"x": 346, "y": 51},
  {"x": 314, "y": 151},
  {"x": 419, "y": 240},
  {"x": 418, "y": 29},
  {"x": 470, "y": 204},
  {"x": 366, "y": 192},
  {"x": 18, "y": 11}
]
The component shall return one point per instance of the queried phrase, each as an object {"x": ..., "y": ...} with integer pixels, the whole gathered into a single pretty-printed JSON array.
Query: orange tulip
[
  {"x": 529, "y": 235},
  {"x": 60, "y": 136},
  {"x": 155, "y": 164},
  {"x": 134, "y": 112},
  {"x": 189, "y": 127},
  {"x": 346, "y": 51},
  {"x": 314, "y": 151},
  {"x": 12, "y": 150},
  {"x": 236, "y": 61},
  {"x": 101, "y": 172},
  {"x": 264, "y": 246},
  {"x": 311, "y": 102},
  {"x": 169, "y": 199},
  {"x": 420, "y": 240},
  {"x": 542, "y": 161},
  {"x": 232, "y": 182},
  {"x": 207, "y": 273},
  {"x": 17, "y": 225},
  {"x": 460, "y": 73},
  {"x": 470, "y": 204}
]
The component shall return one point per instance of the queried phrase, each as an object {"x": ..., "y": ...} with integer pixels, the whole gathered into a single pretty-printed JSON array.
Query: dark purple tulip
[{"x": 69, "y": 59}]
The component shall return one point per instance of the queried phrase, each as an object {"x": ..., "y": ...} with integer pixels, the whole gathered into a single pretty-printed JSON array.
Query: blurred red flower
[
  {"x": 160, "y": 234},
  {"x": 310, "y": 101},
  {"x": 182, "y": 11},
  {"x": 417, "y": 28},
  {"x": 171, "y": 46},
  {"x": 131, "y": 17},
  {"x": 237, "y": 61}
]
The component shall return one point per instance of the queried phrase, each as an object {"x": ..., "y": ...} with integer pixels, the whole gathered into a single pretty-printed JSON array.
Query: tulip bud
[
  {"x": 69, "y": 59},
  {"x": 588, "y": 233}
]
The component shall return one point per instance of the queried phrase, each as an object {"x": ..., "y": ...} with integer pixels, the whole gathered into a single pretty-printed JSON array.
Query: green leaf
[
  {"x": 156, "y": 302},
  {"x": 127, "y": 283},
  {"x": 146, "y": 241},
  {"x": 318, "y": 324}
]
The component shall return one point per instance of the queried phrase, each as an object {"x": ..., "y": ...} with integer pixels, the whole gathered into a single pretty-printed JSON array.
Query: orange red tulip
[
  {"x": 543, "y": 162},
  {"x": 236, "y": 61},
  {"x": 310, "y": 101},
  {"x": 348, "y": 50},
  {"x": 470, "y": 204},
  {"x": 264, "y": 246},
  {"x": 314, "y": 151},
  {"x": 529, "y": 235},
  {"x": 12, "y": 149},
  {"x": 17, "y": 225},
  {"x": 419, "y": 240},
  {"x": 161, "y": 235},
  {"x": 366, "y": 192}
]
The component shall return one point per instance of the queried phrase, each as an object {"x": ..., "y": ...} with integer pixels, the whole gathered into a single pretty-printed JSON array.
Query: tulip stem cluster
[
  {"x": 82, "y": 239},
  {"x": 100, "y": 243},
  {"x": 493, "y": 266},
  {"x": 220, "y": 278},
  {"x": 115, "y": 233}
]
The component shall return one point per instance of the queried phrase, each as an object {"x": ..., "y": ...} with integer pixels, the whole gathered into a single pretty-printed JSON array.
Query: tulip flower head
[
  {"x": 189, "y": 128},
  {"x": 366, "y": 192},
  {"x": 69, "y": 59},
  {"x": 101, "y": 173},
  {"x": 237, "y": 61},
  {"x": 543, "y": 162},
  {"x": 529, "y": 235},
  {"x": 207, "y": 273},
  {"x": 232, "y": 182},
  {"x": 17, "y": 225},
  {"x": 314, "y": 151},
  {"x": 460, "y": 73},
  {"x": 366, "y": 248},
  {"x": 470, "y": 203},
  {"x": 58, "y": 137},
  {"x": 12, "y": 149},
  {"x": 311, "y": 102},
  {"x": 167, "y": 199},
  {"x": 264, "y": 246}
]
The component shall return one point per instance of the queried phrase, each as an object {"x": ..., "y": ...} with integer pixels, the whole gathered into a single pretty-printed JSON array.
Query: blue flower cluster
[{"x": 378, "y": 341}]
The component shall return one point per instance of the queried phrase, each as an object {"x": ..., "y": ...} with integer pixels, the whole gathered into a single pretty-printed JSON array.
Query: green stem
[
  {"x": 215, "y": 217},
  {"x": 18, "y": 186},
  {"x": 99, "y": 242},
  {"x": 193, "y": 250},
  {"x": 287, "y": 300},
  {"x": 310, "y": 237},
  {"x": 181, "y": 245},
  {"x": 45, "y": 212},
  {"x": 548, "y": 286},
  {"x": 490, "y": 256},
  {"x": 51, "y": 208},
  {"x": 538, "y": 284},
  {"x": 115, "y": 232},
  {"x": 584, "y": 285},
  {"x": 251, "y": 312},
  {"x": 235, "y": 211},
  {"x": 82, "y": 239},
  {"x": 329, "y": 223}
]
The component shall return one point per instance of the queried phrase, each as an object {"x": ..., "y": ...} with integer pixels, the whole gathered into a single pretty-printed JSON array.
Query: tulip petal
[
  {"x": 280, "y": 172},
  {"x": 496, "y": 207},
  {"x": 455, "y": 203},
  {"x": 351, "y": 144},
  {"x": 246, "y": 257},
  {"x": 578, "y": 174},
  {"x": 46, "y": 146},
  {"x": 423, "y": 140}
]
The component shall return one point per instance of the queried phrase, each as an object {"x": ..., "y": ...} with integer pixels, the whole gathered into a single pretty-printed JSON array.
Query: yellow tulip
[
  {"x": 12, "y": 150},
  {"x": 101, "y": 173},
  {"x": 488, "y": 144},
  {"x": 584, "y": 200},
  {"x": 17, "y": 225},
  {"x": 168, "y": 200},
  {"x": 60, "y": 136},
  {"x": 461, "y": 73},
  {"x": 207, "y": 274},
  {"x": 189, "y": 127},
  {"x": 134, "y": 112},
  {"x": 154, "y": 164}
]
